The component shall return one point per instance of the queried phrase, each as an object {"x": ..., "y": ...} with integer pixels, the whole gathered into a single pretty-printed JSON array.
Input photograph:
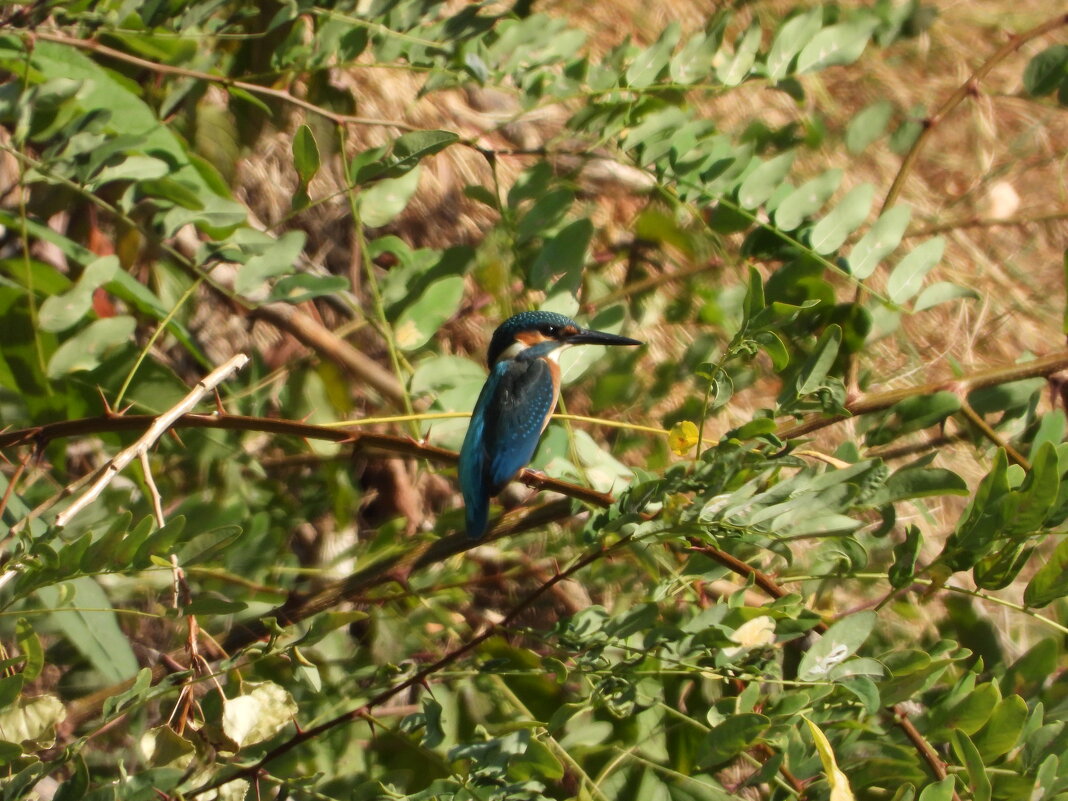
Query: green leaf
[
  {"x": 382, "y": 202},
  {"x": 905, "y": 554},
  {"x": 564, "y": 253},
  {"x": 546, "y": 212},
  {"x": 830, "y": 232},
  {"x": 92, "y": 628},
  {"x": 883, "y": 238},
  {"x": 692, "y": 62},
  {"x": 941, "y": 292},
  {"x": 649, "y": 63},
  {"x": 1051, "y": 580},
  {"x": 280, "y": 257},
  {"x": 1046, "y": 71},
  {"x": 731, "y": 737},
  {"x": 814, "y": 372},
  {"x": 837, "y": 44},
  {"x": 31, "y": 649},
  {"x": 762, "y": 182},
  {"x": 1002, "y": 731},
  {"x": 133, "y": 168},
  {"x": 868, "y": 125},
  {"x": 806, "y": 200},
  {"x": 916, "y": 482},
  {"x": 60, "y": 312},
  {"x": 967, "y": 715},
  {"x": 305, "y": 154},
  {"x": 411, "y": 148},
  {"x": 940, "y": 790},
  {"x": 775, "y": 348},
  {"x": 795, "y": 33},
  {"x": 10, "y": 689},
  {"x": 978, "y": 778},
  {"x": 740, "y": 63},
  {"x": 177, "y": 192},
  {"x": 839, "y": 642},
  {"x": 907, "y": 277},
  {"x": 422, "y": 319},
  {"x": 303, "y": 287},
  {"x": 248, "y": 97},
  {"x": 914, "y": 414},
  {"x": 74, "y": 788},
  {"x": 86, "y": 349},
  {"x": 213, "y": 606}
]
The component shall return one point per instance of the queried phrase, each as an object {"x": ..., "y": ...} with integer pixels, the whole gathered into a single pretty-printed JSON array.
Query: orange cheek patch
[{"x": 530, "y": 337}]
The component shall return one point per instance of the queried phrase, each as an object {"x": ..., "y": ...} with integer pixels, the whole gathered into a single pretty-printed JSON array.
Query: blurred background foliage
[{"x": 823, "y": 553}]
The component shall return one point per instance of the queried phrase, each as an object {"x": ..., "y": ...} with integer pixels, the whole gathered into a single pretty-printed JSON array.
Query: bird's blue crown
[{"x": 504, "y": 336}]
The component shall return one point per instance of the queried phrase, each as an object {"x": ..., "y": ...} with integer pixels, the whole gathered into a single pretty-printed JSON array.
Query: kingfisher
[{"x": 516, "y": 403}]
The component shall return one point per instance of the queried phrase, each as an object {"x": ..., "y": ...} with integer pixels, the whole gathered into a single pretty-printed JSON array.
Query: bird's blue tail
[
  {"x": 472, "y": 482},
  {"x": 477, "y": 510}
]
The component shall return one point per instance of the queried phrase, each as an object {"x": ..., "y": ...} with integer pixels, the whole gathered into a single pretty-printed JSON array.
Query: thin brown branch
[
  {"x": 222, "y": 80},
  {"x": 890, "y": 452},
  {"x": 41, "y": 435},
  {"x": 988, "y": 222},
  {"x": 977, "y": 420},
  {"x": 1043, "y": 366},
  {"x": 968, "y": 88}
]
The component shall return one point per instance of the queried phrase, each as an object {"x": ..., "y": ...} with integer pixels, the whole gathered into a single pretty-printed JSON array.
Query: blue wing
[
  {"x": 507, "y": 422},
  {"x": 522, "y": 402}
]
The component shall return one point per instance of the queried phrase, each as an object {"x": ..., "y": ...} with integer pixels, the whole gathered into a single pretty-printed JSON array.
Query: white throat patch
[{"x": 518, "y": 347}]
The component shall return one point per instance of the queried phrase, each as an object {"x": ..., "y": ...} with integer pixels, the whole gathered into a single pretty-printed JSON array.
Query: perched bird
[{"x": 516, "y": 403}]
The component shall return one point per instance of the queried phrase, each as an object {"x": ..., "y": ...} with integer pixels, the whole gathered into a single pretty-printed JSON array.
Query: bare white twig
[
  {"x": 105, "y": 474},
  {"x": 153, "y": 490}
]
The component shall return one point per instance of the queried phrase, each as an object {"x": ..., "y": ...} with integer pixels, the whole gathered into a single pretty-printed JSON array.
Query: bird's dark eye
[{"x": 550, "y": 331}]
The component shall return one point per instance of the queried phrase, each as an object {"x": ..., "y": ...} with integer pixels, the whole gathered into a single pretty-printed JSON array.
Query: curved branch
[
  {"x": 969, "y": 87},
  {"x": 1043, "y": 367}
]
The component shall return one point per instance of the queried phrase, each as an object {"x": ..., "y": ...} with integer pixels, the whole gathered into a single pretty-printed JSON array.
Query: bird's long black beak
[{"x": 600, "y": 338}]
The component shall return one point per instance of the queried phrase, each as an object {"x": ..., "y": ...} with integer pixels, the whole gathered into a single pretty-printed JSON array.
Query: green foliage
[{"x": 754, "y": 617}]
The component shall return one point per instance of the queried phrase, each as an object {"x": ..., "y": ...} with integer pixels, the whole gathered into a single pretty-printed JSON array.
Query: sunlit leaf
[
  {"x": 261, "y": 710},
  {"x": 830, "y": 232},
  {"x": 868, "y": 125},
  {"x": 942, "y": 292},
  {"x": 305, "y": 154},
  {"x": 836, "y": 645},
  {"x": 424, "y": 317},
  {"x": 806, "y": 200},
  {"x": 1051, "y": 580},
  {"x": 738, "y": 65},
  {"x": 384, "y": 200},
  {"x": 759, "y": 185},
  {"x": 87, "y": 348},
  {"x": 907, "y": 277},
  {"x": 649, "y": 63},
  {"x": 837, "y": 44},
  {"x": 790, "y": 39}
]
